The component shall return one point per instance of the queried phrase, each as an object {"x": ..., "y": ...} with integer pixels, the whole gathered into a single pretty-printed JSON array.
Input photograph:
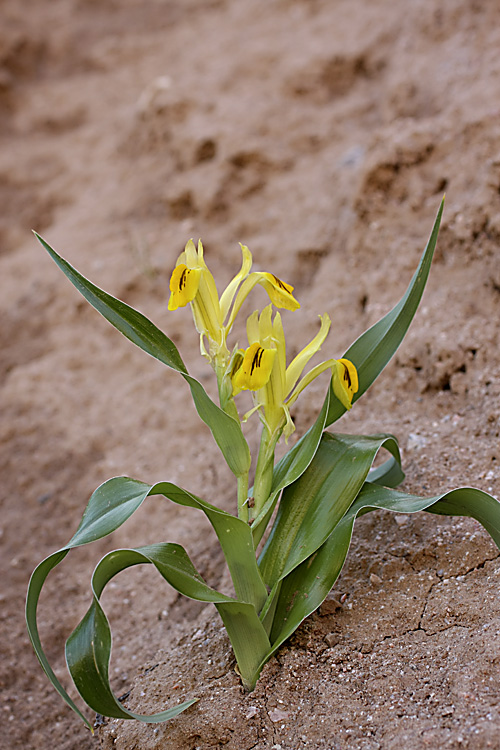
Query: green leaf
[
  {"x": 312, "y": 506},
  {"x": 144, "y": 334},
  {"x": 109, "y": 507},
  {"x": 375, "y": 347},
  {"x": 235, "y": 538},
  {"x": 307, "y": 586},
  {"x": 291, "y": 467},
  {"x": 388, "y": 474},
  {"x": 88, "y": 649},
  {"x": 35, "y": 586},
  {"x": 117, "y": 499}
]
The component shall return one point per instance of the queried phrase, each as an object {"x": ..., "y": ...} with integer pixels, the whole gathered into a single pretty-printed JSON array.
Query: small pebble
[
  {"x": 401, "y": 520},
  {"x": 277, "y": 715}
]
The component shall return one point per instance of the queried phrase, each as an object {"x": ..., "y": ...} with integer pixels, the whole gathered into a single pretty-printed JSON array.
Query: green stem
[
  {"x": 243, "y": 497},
  {"x": 264, "y": 471},
  {"x": 269, "y": 608},
  {"x": 227, "y": 404}
]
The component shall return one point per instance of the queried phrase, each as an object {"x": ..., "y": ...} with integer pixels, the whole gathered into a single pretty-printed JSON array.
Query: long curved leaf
[
  {"x": 376, "y": 346},
  {"x": 388, "y": 474},
  {"x": 88, "y": 649},
  {"x": 144, "y": 334},
  {"x": 312, "y": 506},
  {"x": 109, "y": 507},
  {"x": 307, "y": 586}
]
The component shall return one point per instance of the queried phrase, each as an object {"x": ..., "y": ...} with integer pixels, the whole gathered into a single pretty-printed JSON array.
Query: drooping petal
[
  {"x": 289, "y": 427},
  {"x": 295, "y": 368},
  {"x": 280, "y": 293},
  {"x": 255, "y": 369},
  {"x": 229, "y": 292},
  {"x": 345, "y": 381},
  {"x": 308, "y": 378},
  {"x": 184, "y": 284}
]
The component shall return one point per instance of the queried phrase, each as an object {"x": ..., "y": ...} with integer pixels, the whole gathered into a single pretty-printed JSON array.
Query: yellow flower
[
  {"x": 255, "y": 368},
  {"x": 263, "y": 370},
  {"x": 184, "y": 285},
  {"x": 345, "y": 381},
  {"x": 191, "y": 282}
]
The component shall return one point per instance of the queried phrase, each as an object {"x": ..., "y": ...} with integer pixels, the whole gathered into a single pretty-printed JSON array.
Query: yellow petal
[
  {"x": 266, "y": 327},
  {"x": 229, "y": 292},
  {"x": 345, "y": 381},
  {"x": 280, "y": 293},
  {"x": 190, "y": 255},
  {"x": 255, "y": 369},
  {"x": 253, "y": 327},
  {"x": 184, "y": 284},
  {"x": 296, "y": 366},
  {"x": 309, "y": 377},
  {"x": 280, "y": 344}
]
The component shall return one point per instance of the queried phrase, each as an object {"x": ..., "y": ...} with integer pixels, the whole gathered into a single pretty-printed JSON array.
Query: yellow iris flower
[
  {"x": 263, "y": 370},
  {"x": 192, "y": 282}
]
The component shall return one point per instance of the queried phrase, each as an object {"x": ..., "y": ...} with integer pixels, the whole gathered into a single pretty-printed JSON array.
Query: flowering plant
[{"x": 318, "y": 488}]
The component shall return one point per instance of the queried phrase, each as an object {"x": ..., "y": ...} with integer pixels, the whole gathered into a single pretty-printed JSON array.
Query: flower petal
[
  {"x": 184, "y": 284},
  {"x": 253, "y": 327},
  {"x": 296, "y": 366},
  {"x": 229, "y": 292},
  {"x": 255, "y": 369},
  {"x": 309, "y": 377},
  {"x": 345, "y": 381},
  {"x": 280, "y": 293}
]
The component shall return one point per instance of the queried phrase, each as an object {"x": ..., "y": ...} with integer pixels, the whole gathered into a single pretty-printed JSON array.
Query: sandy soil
[{"x": 322, "y": 134}]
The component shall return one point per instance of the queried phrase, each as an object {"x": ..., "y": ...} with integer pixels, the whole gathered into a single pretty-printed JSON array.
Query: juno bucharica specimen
[{"x": 319, "y": 487}]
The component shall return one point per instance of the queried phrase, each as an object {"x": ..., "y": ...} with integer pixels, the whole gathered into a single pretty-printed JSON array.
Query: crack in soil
[{"x": 441, "y": 578}]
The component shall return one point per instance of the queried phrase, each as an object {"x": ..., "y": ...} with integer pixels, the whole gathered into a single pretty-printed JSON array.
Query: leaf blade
[
  {"x": 371, "y": 352},
  {"x": 315, "y": 503},
  {"x": 316, "y": 576},
  {"x": 143, "y": 333},
  {"x": 291, "y": 467},
  {"x": 110, "y": 505},
  {"x": 88, "y": 649}
]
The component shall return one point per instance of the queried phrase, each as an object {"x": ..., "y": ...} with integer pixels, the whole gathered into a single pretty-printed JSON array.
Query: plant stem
[
  {"x": 243, "y": 497},
  {"x": 264, "y": 470}
]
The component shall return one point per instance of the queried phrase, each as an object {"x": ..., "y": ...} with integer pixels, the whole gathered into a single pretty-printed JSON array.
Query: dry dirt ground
[{"x": 322, "y": 133}]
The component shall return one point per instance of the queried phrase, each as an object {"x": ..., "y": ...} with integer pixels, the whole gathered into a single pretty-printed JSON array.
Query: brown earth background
[{"x": 322, "y": 133}]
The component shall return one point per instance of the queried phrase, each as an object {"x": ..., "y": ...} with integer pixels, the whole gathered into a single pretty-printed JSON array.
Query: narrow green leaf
[
  {"x": 235, "y": 538},
  {"x": 37, "y": 580},
  {"x": 375, "y": 347},
  {"x": 388, "y": 474},
  {"x": 315, "y": 503},
  {"x": 88, "y": 649},
  {"x": 117, "y": 499},
  {"x": 109, "y": 507},
  {"x": 307, "y": 586},
  {"x": 291, "y": 467},
  {"x": 248, "y": 638},
  {"x": 144, "y": 334}
]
